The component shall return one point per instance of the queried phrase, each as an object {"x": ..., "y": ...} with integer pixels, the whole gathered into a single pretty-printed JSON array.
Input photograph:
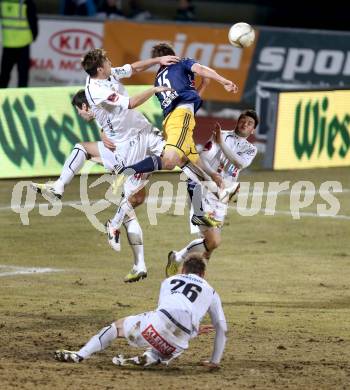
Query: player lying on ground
[
  {"x": 179, "y": 107},
  {"x": 165, "y": 333},
  {"x": 146, "y": 142},
  {"x": 227, "y": 152}
]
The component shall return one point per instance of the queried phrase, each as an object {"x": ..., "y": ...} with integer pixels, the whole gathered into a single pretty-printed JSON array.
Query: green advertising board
[{"x": 39, "y": 127}]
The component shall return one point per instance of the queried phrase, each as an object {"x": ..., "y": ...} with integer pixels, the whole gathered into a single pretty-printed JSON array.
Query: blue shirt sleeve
[{"x": 187, "y": 63}]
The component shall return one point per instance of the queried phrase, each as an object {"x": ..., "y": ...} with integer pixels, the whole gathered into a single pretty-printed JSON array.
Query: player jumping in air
[
  {"x": 131, "y": 133},
  {"x": 165, "y": 333},
  {"x": 227, "y": 152},
  {"x": 179, "y": 106}
]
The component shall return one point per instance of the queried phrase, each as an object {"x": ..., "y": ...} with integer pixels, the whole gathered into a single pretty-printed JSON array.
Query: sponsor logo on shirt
[
  {"x": 157, "y": 341},
  {"x": 167, "y": 101},
  {"x": 250, "y": 152},
  {"x": 208, "y": 145},
  {"x": 113, "y": 98}
]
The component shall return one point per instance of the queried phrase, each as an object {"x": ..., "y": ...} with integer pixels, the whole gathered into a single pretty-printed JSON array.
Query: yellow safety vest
[{"x": 16, "y": 31}]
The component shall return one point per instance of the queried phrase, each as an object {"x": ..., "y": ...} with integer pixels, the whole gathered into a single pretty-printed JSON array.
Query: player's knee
[
  {"x": 83, "y": 146},
  {"x": 213, "y": 243},
  {"x": 137, "y": 199},
  {"x": 168, "y": 163}
]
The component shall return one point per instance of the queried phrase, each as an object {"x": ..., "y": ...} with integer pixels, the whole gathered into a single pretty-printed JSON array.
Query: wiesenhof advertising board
[{"x": 39, "y": 127}]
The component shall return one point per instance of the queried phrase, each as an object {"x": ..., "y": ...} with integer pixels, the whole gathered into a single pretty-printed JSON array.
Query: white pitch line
[
  {"x": 154, "y": 200},
  {"x": 301, "y": 213},
  {"x": 14, "y": 270}
]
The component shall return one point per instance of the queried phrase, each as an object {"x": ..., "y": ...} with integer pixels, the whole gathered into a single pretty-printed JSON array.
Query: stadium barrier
[
  {"x": 39, "y": 127},
  {"x": 207, "y": 44},
  {"x": 309, "y": 129},
  {"x": 279, "y": 55}
]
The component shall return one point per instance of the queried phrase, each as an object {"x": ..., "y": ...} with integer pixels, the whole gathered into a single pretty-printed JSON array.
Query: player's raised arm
[
  {"x": 205, "y": 71},
  {"x": 140, "y": 66},
  {"x": 241, "y": 159}
]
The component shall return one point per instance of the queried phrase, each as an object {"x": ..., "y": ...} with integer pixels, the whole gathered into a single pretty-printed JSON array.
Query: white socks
[
  {"x": 194, "y": 246},
  {"x": 99, "y": 342},
  {"x": 135, "y": 237},
  {"x": 72, "y": 166},
  {"x": 124, "y": 209}
]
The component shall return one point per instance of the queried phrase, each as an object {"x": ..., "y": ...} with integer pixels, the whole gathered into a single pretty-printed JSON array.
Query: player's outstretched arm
[
  {"x": 141, "y": 66},
  {"x": 218, "y": 320},
  {"x": 210, "y": 73},
  {"x": 140, "y": 98},
  {"x": 219, "y": 342}
]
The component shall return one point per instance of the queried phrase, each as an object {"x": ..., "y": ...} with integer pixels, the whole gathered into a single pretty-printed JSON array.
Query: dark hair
[
  {"x": 162, "y": 49},
  {"x": 79, "y": 98},
  {"x": 92, "y": 60},
  {"x": 194, "y": 264},
  {"x": 252, "y": 113}
]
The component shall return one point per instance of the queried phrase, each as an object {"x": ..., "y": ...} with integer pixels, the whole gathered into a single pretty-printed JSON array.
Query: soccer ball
[{"x": 241, "y": 35}]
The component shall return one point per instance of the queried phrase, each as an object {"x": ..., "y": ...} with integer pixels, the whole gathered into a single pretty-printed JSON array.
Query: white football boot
[
  {"x": 113, "y": 236},
  {"x": 62, "y": 355},
  {"x": 46, "y": 190}
]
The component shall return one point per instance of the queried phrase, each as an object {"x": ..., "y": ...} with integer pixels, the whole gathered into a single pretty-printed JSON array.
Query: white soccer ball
[{"x": 241, "y": 35}]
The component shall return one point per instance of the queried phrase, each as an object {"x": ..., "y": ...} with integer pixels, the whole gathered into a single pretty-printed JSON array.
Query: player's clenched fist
[{"x": 230, "y": 86}]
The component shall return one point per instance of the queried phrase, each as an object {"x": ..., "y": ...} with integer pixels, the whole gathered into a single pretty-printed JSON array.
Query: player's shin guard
[
  {"x": 99, "y": 342},
  {"x": 135, "y": 238},
  {"x": 197, "y": 245},
  {"x": 71, "y": 167}
]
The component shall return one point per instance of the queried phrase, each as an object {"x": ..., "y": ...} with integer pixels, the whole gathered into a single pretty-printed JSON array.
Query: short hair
[
  {"x": 253, "y": 114},
  {"x": 92, "y": 60},
  {"x": 79, "y": 98},
  {"x": 162, "y": 49},
  {"x": 194, "y": 264}
]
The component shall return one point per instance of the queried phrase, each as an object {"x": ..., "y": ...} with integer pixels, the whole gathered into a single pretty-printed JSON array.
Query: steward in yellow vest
[{"x": 19, "y": 27}]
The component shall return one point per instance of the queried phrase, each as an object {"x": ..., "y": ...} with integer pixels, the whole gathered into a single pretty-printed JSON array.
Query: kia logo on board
[{"x": 74, "y": 42}]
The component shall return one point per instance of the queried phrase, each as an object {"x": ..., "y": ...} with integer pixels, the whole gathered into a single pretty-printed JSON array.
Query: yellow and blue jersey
[{"x": 180, "y": 78}]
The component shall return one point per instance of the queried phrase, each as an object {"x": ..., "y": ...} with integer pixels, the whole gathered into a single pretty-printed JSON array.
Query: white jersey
[
  {"x": 187, "y": 298},
  {"x": 220, "y": 163},
  {"x": 109, "y": 102}
]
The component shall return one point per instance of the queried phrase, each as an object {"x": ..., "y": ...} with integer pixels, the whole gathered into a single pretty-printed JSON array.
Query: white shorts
[
  {"x": 212, "y": 205},
  {"x": 144, "y": 144},
  {"x": 154, "y": 330}
]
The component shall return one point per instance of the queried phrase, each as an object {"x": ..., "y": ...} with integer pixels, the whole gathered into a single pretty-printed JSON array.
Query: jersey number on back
[
  {"x": 162, "y": 80},
  {"x": 190, "y": 290}
]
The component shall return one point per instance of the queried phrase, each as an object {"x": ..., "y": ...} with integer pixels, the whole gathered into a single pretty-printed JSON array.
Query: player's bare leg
[{"x": 210, "y": 240}]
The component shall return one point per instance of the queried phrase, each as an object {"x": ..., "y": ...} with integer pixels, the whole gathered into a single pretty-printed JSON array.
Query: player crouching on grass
[
  {"x": 227, "y": 152},
  {"x": 165, "y": 333}
]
